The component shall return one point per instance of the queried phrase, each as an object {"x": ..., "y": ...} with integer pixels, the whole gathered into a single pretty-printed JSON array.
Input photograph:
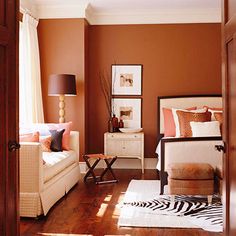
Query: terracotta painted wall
[
  {"x": 62, "y": 44},
  {"x": 177, "y": 59}
]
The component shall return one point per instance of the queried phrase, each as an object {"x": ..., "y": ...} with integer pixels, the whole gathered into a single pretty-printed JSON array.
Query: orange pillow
[
  {"x": 186, "y": 117},
  {"x": 46, "y": 143},
  {"x": 169, "y": 123},
  {"x": 66, "y": 135},
  {"x": 32, "y": 137},
  {"x": 219, "y": 117}
]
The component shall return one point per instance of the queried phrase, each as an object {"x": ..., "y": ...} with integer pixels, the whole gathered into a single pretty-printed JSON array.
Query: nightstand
[{"x": 125, "y": 145}]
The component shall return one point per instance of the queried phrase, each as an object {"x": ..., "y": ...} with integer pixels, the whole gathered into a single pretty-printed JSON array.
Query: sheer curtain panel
[{"x": 31, "y": 106}]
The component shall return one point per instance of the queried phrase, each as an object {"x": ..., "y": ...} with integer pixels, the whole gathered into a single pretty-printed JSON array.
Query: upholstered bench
[
  {"x": 219, "y": 179},
  {"x": 191, "y": 179}
]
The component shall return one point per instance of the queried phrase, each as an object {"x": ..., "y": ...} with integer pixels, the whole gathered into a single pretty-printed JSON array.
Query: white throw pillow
[
  {"x": 205, "y": 129},
  {"x": 176, "y": 120}
]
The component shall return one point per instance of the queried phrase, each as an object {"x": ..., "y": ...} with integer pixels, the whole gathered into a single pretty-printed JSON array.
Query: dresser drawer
[
  {"x": 123, "y": 147},
  {"x": 124, "y": 136}
]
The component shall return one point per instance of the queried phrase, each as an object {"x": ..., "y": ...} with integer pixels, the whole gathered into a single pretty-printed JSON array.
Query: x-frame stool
[{"x": 109, "y": 160}]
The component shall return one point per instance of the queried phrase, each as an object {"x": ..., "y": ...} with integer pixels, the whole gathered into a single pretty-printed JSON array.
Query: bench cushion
[
  {"x": 219, "y": 172},
  {"x": 56, "y": 162},
  {"x": 189, "y": 171}
]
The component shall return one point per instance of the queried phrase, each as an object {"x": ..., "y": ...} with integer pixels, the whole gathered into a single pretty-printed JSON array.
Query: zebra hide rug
[{"x": 142, "y": 206}]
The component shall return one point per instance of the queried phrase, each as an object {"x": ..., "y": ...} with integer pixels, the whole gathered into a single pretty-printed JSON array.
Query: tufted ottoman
[{"x": 191, "y": 179}]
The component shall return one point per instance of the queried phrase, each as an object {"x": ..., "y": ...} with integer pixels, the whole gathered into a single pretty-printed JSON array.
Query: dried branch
[{"x": 106, "y": 85}]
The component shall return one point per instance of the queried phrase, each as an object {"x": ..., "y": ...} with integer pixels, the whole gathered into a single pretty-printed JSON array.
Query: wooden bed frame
[{"x": 211, "y": 100}]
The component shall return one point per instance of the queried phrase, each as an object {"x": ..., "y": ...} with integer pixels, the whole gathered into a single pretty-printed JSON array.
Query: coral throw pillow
[
  {"x": 46, "y": 143},
  {"x": 169, "y": 123},
  {"x": 32, "y": 137},
  {"x": 66, "y": 135},
  {"x": 219, "y": 117},
  {"x": 186, "y": 117}
]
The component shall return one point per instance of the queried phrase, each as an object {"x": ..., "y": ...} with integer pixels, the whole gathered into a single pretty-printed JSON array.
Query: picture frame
[
  {"x": 129, "y": 110},
  {"x": 127, "y": 79}
]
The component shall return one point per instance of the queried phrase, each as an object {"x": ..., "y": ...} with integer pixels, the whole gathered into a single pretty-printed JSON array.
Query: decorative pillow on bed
[
  {"x": 176, "y": 119},
  {"x": 219, "y": 117},
  {"x": 169, "y": 123},
  {"x": 213, "y": 113},
  {"x": 185, "y": 118},
  {"x": 204, "y": 129}
]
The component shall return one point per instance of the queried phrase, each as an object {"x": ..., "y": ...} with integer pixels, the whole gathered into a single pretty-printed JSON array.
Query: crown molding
[
  {"x": 46, "y": 9},
  {"x": 61, "y": 11},
  {"x": 170, "y": 16}
]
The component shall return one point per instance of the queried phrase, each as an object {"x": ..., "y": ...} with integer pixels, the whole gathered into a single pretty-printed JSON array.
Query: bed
[{"x": 185, "y": 149}]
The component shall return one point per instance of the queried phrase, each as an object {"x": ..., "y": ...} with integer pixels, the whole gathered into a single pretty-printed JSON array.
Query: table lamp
[{"x": 62, "y": 85}]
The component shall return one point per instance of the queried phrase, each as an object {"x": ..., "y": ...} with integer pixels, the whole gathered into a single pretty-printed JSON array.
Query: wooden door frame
[
  {"x": 228, "y": 34},
  {"x": 9, "y": 176}
]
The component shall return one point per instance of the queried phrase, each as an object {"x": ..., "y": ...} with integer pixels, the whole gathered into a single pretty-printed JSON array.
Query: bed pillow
[
  {"x": 66, "y": 135},
  {"x": 219, "y": 117},
  {"x": 185, "y": 118},
  {"x": 56, "y": 144},
  {"x": 205, "y": 129},
  {"x": 32, "y": 137},
  {"x": 213, "y": 113},
  {"x": 169, "y": 123},
  {"x": 176, "y": 119}
]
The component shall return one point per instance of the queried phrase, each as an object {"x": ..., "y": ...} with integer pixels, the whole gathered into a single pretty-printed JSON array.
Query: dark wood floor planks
[{"x": 90, "y": 209}]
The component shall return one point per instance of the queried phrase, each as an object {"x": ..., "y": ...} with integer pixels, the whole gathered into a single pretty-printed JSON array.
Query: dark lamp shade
[{"x": 61, "y": 84}]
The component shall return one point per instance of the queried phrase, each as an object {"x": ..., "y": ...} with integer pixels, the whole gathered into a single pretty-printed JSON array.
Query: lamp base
[{"x": 61, "y": 109}]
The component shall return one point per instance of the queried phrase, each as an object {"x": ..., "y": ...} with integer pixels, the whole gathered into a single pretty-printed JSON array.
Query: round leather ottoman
[{"x": 191, "y": 179}]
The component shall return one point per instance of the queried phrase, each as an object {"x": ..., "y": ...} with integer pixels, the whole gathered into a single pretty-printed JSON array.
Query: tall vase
[
  {"x": 115, "y": 123},
  {"x": 110, "y": 126}
]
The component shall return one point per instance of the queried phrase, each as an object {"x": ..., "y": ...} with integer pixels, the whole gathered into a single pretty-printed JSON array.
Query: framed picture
[
  {"x": 129, "y": 110},
  {"x": 126, "y": 79}
]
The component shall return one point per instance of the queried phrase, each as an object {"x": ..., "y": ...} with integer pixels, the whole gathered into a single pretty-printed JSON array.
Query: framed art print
[
  {"x": 126, "y": 79},
  {"x": 129, "y": 110}
]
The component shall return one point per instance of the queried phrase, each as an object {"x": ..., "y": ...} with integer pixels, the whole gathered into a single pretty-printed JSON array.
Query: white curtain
[{"x": 31, "y": 106}]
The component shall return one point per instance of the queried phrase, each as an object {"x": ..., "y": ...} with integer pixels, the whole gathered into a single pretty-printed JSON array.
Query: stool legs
[
  {"x": 90, "y": 170},
  {"x": 109, "y": 164},
  {"x": 99, "y": 179}
]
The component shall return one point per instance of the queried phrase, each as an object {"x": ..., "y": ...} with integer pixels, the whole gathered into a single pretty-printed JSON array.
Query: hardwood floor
[{"x": 90, "y": 209}]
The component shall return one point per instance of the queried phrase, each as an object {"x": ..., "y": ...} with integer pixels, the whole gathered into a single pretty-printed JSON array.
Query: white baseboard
[{"x": 149, "y": 163}]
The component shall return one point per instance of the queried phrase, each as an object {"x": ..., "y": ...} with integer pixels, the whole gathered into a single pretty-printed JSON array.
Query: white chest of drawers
[{"x": 125, "y": 145}]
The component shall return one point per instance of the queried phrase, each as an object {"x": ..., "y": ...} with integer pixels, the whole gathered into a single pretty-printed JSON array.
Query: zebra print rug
[{"x": 142, "y": 206}]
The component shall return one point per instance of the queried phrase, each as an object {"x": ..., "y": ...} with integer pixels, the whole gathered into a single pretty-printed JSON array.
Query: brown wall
[
  {"x": 177, "y": 59},
  {"x": 62, "y": 44}
]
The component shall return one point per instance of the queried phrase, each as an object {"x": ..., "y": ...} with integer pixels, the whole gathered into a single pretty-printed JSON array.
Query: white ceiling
[{"x": 130, "y": 11}]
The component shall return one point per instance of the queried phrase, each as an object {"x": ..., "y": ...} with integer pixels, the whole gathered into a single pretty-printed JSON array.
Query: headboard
[{"x": 185, "y": 101}]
